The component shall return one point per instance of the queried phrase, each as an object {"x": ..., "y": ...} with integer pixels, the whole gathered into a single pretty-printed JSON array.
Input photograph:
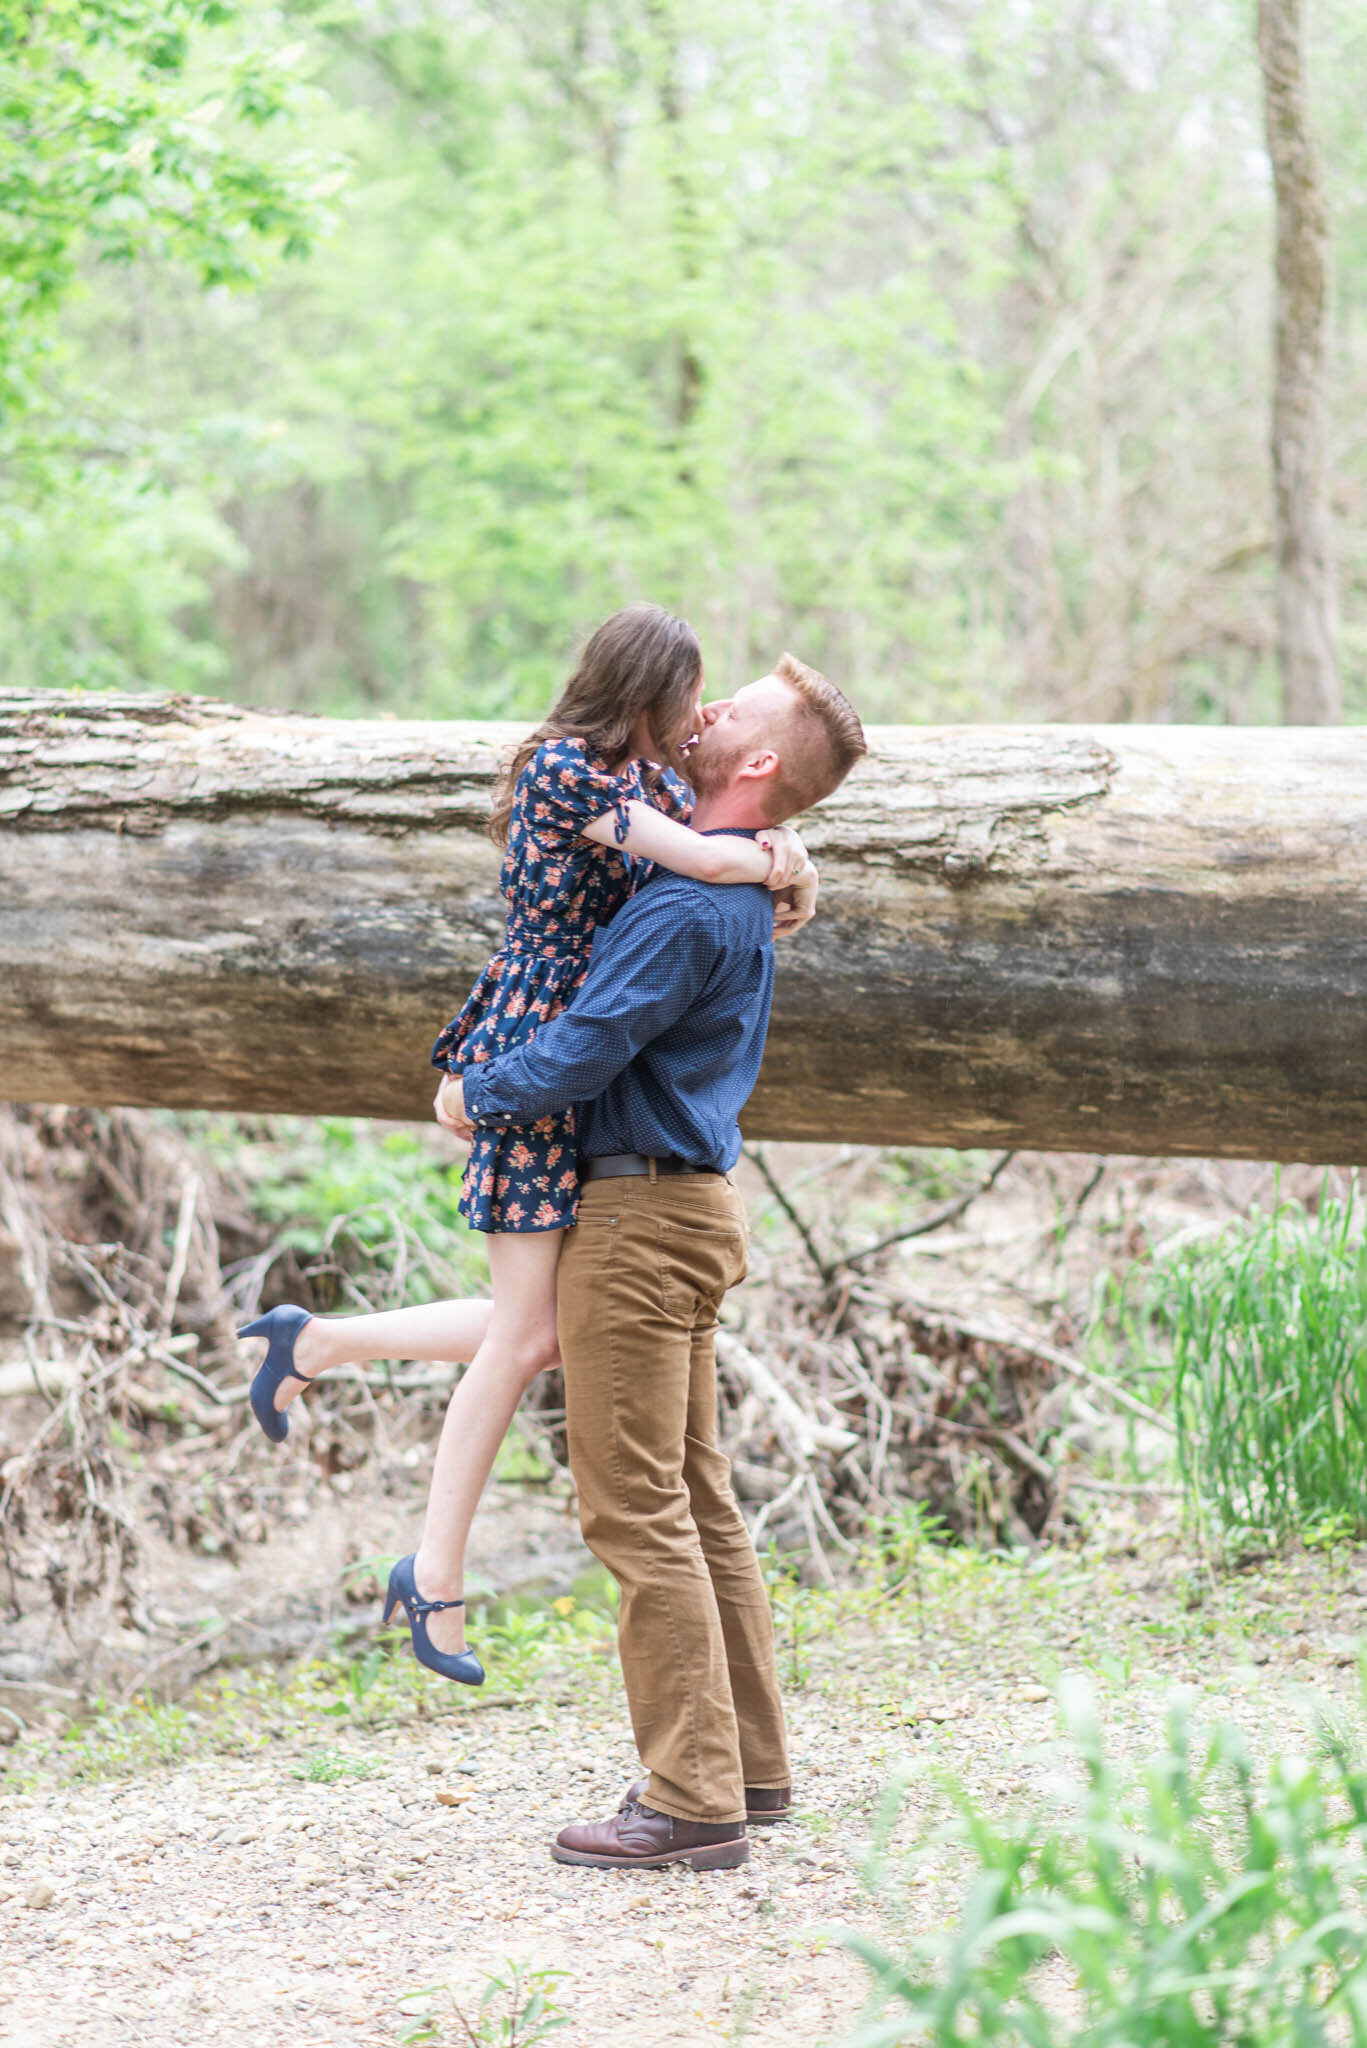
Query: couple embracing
[{"x": 597, "y": 1071}]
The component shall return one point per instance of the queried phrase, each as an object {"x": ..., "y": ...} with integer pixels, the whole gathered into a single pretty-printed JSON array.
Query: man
[{"x": 663, "y": 1044}]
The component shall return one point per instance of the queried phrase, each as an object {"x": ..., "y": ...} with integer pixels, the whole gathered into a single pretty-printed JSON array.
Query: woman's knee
[{"x": 537, "y": 1352}]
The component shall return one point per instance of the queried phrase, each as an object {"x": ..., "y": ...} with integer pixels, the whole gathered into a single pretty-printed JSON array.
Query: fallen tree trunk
[{"x": 1125, "y": 939}]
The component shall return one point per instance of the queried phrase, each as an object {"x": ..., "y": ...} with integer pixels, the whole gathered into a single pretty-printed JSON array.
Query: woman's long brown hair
[{"x": 642, "y": 659}]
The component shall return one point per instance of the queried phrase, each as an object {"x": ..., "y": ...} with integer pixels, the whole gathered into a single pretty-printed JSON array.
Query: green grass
[
  {"x": 1268, "y": 1325},
  {"x": 377, "y": 1686},
  {"x": 919, "y": 1622},
  {"x": 1197, "y": 1902}
]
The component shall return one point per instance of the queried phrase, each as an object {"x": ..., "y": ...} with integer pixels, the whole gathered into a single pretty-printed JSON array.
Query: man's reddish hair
[{"x": 820, "y": 741}]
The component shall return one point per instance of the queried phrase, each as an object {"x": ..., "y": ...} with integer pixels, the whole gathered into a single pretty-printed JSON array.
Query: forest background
[{"x": 361, "y": 357}]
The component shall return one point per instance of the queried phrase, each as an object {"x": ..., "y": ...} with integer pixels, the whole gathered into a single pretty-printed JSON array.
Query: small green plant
[
  {"x": 363, "y": 1672},
  {"x": 1199, "y": 1904},
  {"x": 330, "y": 1766},
  {"x": 899, "y": 1542},
  {"x": 1269, "y": 1336},
  {"x": 796, "y": 1616},
  {"x": 515, "y": 1645},
  {"x": 518, "y": 1464},
  {"x": 516, "y": 2010}
]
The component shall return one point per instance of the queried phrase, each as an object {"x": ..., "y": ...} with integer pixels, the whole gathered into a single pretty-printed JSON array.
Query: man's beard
[{"x": 712, "y": 763}]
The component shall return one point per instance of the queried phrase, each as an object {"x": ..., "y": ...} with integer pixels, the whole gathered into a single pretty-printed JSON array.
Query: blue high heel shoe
[
  {"x": 282, "y": 1326},
  {"x": 462, "y": 1665}
]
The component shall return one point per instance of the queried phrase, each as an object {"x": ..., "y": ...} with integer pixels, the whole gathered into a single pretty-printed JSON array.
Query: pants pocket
[{"x": 698, "y": 1262}]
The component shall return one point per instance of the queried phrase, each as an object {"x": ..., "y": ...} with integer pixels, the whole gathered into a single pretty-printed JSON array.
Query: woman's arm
[{"x": 773, "y": 858}]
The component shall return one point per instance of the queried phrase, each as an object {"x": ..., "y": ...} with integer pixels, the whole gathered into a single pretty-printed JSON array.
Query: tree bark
[
  {"x": 1307, "y": 598},
  {"x": 1111, "y": 939}
]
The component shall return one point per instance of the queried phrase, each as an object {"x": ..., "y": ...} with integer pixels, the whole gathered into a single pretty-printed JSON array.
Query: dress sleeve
[
  {"x": 572, "y": 788},
  {"x": 671, "y": 794}
]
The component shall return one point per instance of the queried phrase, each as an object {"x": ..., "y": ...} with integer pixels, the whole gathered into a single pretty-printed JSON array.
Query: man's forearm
[
  {"x": 625, "y": 1002},
  {"x": 572, "y": 1059}
]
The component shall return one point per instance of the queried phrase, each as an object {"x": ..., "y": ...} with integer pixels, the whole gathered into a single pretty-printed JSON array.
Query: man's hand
[
  {"x": 796, "y": 905},
  {"x": 449, "y": 1109}
]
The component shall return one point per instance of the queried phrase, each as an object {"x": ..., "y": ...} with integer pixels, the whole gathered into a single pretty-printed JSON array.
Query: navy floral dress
[{"x": 560, "y": 887}]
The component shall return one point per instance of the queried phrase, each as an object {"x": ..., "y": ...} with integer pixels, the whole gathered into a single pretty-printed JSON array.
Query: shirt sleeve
[
  {"x": 649, "y": 964},
  {"x": 572, "y": 788}
]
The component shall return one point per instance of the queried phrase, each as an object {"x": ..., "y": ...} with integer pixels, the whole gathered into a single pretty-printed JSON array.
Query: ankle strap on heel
[{"x": 432, "y": 1606}]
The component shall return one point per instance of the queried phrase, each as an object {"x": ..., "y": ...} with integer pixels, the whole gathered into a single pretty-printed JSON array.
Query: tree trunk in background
[
  {"x": 1123, "y": 938},
  {"x": 1307, "y": 598},
  {"x": 687, "y": 228}
]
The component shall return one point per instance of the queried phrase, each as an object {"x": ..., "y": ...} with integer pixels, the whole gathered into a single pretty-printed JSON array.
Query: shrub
[{"x": 1269, "y": 1334}]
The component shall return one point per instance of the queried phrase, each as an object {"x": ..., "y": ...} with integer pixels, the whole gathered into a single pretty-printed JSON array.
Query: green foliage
[
  {"x": 372, "y": 1210},
  {"x": 1268, "y": 1324},
  {"x": 517, "y": 1646},
  {"x": 113, "y": 140},
  {"x": 792, "y": 1617},
  {"x": 555, "y": 393},
  {"x": 126, "y": 1738},
  {"x": 1201, "y": 1903},
  {"x": 353, "y": 1690}
]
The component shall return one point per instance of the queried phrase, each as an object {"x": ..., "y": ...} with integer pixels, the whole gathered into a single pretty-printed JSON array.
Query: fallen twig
[
  {"x": 950, "y": 1213},
  {"x": 1048, "y": 1354},
  {"x": 755, "y": 1154},
  {"x": 808, "y": 1436},
  {"x": 180, "y": 1250}
]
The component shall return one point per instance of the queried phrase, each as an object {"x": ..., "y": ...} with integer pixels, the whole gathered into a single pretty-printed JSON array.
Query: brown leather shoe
[
  {"x": 763, "y": 1805},
  {"x": 638, "y": 1838}
]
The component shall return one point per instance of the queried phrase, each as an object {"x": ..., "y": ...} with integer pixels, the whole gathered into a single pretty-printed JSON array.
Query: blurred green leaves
[
  {"x": 130, "y": 134},
  {"x": 113, "y": 140},
  {"x": 928, "y": 339}
]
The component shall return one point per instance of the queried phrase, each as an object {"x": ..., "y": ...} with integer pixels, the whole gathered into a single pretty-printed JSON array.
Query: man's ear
[{"x": 760, "y": 766}]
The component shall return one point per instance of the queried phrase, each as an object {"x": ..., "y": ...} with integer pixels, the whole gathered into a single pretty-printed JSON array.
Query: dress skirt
[{"x": 519, "y": 1177}]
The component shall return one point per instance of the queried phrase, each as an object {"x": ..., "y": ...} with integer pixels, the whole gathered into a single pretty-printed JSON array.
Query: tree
[
  {"x": 1307, "y": 595},
  {"x": 130, "y": 130}
]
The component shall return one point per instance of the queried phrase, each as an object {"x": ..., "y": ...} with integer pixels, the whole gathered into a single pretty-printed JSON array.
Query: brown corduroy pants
[{"x": 641, "y": 1280}]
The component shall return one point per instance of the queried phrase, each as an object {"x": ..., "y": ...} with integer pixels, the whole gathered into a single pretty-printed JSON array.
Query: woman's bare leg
[
  {"x": 440, "y": 1330},
  {"x": 520, "y": 1343}
]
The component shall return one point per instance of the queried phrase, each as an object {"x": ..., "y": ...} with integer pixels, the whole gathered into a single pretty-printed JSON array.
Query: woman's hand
[
  {"x": 797, "y": 905},
  {"x": 787, "y": 855},
  {"x": 449, "y": 1109}
]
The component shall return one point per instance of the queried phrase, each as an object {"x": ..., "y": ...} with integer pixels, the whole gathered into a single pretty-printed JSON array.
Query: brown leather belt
[{"x": 614, "y": 1165}]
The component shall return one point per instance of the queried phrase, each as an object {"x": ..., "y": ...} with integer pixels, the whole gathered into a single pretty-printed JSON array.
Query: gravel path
[
  {"x": 191, "y": 1906},
  {"x": 205, "y": 1902}
]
